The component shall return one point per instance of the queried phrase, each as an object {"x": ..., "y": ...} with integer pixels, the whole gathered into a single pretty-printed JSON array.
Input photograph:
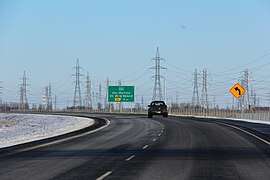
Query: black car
[{"x": 157, "y": 108}]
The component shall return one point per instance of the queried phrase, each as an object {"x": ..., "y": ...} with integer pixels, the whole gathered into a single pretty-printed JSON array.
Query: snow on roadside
[
  {"x": 227, "y": 118},
  {"x": 22, "y": 128}
]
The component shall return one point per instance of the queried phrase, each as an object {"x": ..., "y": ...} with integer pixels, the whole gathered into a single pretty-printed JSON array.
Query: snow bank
[
  {"x": 227, "y": 118},
  {"x": 21, "y": 128}
]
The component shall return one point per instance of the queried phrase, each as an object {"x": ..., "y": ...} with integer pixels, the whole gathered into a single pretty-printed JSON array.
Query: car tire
[
  {"x": 165, "y": 115},
  {"x": 150, "y": 115}
]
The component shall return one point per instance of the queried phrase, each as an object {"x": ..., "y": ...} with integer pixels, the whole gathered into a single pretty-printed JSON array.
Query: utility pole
[
  {"x": 195, "y": 97},
  {"x": 23, "y": 95},
  {"x": 157, "y": 92},
  {"x": 77, "y": 100}
]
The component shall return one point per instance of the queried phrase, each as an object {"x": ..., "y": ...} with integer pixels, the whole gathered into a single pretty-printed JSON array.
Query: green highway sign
[{"x": 121, "y": 94}]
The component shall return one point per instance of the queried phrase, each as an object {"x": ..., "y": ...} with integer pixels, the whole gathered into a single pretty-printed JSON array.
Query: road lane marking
[
  {"x": 159, "y": 134},
  {"x": 154, "y": 139},
  {"x": 131, "y": 157},
  {"x": 146, "y": 146},
  {"x": 104, "y": 175},
  {"x": 240, "y": 129},
  {"x": 57, "y": 141}
]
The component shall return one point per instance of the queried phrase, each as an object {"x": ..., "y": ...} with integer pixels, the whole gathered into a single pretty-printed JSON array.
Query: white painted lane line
[
  {"x": 146, "y": 146},
  {"x": 131, "y": 157},
  {"x": 240, "y": 129},
  {"x": 104, "y": 175},
  {"x": 69, "y": 138},
  {"x": 159, "y": 134},
  {"x": 154, "y": 139}
]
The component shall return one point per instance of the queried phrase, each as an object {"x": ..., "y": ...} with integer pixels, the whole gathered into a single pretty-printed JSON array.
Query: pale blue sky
[{"x": 117, "y": 39}]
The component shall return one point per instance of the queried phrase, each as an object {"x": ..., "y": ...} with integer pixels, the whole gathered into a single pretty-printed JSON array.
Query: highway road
[{"x": 135, "y": 147}]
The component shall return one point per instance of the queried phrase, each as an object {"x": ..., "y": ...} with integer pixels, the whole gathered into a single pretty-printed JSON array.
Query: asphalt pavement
[{"x": 135, "y": 147}]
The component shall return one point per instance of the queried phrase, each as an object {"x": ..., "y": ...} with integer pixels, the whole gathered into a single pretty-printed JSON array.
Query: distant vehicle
[{"x": 157, "y": 108}]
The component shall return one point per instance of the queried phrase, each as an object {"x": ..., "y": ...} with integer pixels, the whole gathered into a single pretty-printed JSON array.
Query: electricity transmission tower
[
  {"x": 204, "y": 96},
  {"x": 1, "y": 92},
  {"x": 195, "y": 97},
  {"x": 77, "y": 100},
  {"x": 107, "y": 106},
  {"x": 88, "y": 98},
  {"x": 99, "y": 97},
  {"x": 120, "y": 103},
  {"x": 157, "y": 92},
  {"x": 23, "y": 96},
  {"x": 244, "y": 100},
  {"x": 55, "y": 107},
  {"x": 48, "y": 97},
  {"x": 253, "y": 98}
]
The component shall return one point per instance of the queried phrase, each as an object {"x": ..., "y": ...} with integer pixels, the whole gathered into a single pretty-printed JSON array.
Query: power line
[{"x": 251, "y": 62}]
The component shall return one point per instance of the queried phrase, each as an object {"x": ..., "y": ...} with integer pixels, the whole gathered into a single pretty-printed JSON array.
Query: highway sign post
[
  {"x": 237, "y": 90},
  {"x": 121, "y": 94}
]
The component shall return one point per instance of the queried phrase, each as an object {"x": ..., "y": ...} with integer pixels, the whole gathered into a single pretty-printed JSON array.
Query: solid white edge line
[
  {"x": 58, "y": 141},
  {"x": 146, "y": 146},
  {"x": 240, "y": 129},
  {"x": 131, "y": 157},
  {"x": 104, "y": 175}
]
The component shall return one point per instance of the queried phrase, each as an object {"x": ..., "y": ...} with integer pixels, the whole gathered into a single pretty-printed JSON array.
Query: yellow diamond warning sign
[{"x": 237, "y": 90}]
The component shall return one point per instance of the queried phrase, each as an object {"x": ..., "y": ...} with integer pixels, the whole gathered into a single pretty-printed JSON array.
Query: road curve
[{"x": 135, "y": 147}]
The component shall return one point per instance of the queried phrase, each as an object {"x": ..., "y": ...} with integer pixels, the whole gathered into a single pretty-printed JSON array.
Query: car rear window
[{"x": 157, "y": 104}]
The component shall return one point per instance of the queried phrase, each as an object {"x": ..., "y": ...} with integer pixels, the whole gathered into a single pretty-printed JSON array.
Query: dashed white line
[
  {"x": 159, "y": 134},
  {"x": 154, "y": 139},
  {"x": 146, "y": 146},
  {"x": 104, "y": 175},
  {"x": 131, "y": 157}
]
